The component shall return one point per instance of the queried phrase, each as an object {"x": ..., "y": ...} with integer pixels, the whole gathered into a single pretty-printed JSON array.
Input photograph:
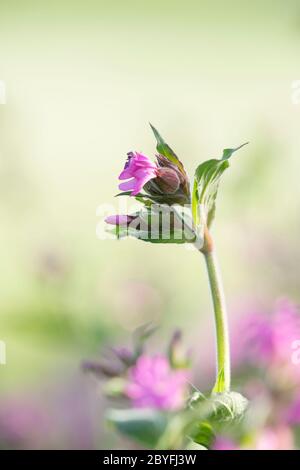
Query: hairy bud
[{"x": 171, "y": 182}]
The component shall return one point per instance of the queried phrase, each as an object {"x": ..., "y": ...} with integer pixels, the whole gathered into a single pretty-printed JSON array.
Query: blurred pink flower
[
  {"x": 256, "y": 342},
  {"x": 292, "y": 414},
  {"x": 22, "y": 422},
  {"x": 267, "y": 338},
  {"x": 271, "y": 438},
  {"x": 154, "y": 384},
  {"x": 278, "y": 438},
  {"x": 286, "y": 329},
  {"x": 138, "y": 170},
  {"x": 223, "y": 443}
]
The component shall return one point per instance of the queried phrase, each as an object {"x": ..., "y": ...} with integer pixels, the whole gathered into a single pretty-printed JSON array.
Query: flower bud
[
  {"x": 167, "y": 180},
  {"x": 102, "y": 368},
  {"x": 179, "y": 359},
  {"x": 119, "y": 219},
  {"x": 171, "y": 183}
]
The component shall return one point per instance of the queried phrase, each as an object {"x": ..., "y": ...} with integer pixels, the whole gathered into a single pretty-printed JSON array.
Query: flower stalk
[{"x": 221, "y": 322}]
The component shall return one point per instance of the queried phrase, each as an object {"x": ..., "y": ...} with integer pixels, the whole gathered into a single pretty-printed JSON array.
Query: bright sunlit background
[{"x": 83, "y": 79}]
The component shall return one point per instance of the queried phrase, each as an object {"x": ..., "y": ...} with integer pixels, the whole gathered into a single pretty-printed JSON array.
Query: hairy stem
[{"x": 222, "y": 335}]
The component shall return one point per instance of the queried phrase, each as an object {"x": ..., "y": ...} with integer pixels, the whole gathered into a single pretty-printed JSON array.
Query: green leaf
[
  {"x": 228, "y": 406},
  {"x": 203, "y": 434},
  {"x": 220, "y": 382},
  {"x": 194, "y": 446},
  {"x": 146, "y": 199},
  {"x": 158, "y": 224},
  {"x": 143, "y": 426},
  {"x": 228, "y": 152},
  {"x": 206, "y": 184},
  {"x": 176, "y": 236},
  {"x": 128, "y": 193},
  {"x": 143, "y": 198},
  {"x": 164, "y": 149}
]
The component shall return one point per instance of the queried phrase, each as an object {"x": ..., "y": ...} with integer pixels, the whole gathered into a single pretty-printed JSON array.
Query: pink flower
[
  {"x": 223, "y": 443},
  {"x": 292, "y": 414},
  {"x": 154, "y": 384},
  {"x": 267, "y": 338},
  {"x": 256, "y": 344},
  {"x": 270, "y": 438},
  {"x": 286, "y": 330},
  {"x": 278, "y": 438},
  {"x": 119, "y": 219},
  {"x": 21, "y": 421},
  {"x": 138, "y": 170}
]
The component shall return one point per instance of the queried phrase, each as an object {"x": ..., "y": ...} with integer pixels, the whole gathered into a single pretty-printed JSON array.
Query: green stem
[{"x": 222, "y": 335}]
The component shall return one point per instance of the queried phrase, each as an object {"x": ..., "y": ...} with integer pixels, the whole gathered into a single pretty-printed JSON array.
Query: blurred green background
[{"x": 83, "y": 79}]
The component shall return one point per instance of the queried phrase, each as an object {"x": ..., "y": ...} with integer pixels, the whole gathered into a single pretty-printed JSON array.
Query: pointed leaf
[
  {"x": 146, "y": 199},
  {"x": 206, "y": 183},
  {"x": 228, "y": 152},
  {"x": 164, "y": 149},
  {"x": 220, "y": 382}
]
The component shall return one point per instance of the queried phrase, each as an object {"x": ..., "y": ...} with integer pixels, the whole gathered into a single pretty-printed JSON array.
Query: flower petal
[
  {"x": 118, "y": 219},
  {"x": 128, "y": 185}
]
